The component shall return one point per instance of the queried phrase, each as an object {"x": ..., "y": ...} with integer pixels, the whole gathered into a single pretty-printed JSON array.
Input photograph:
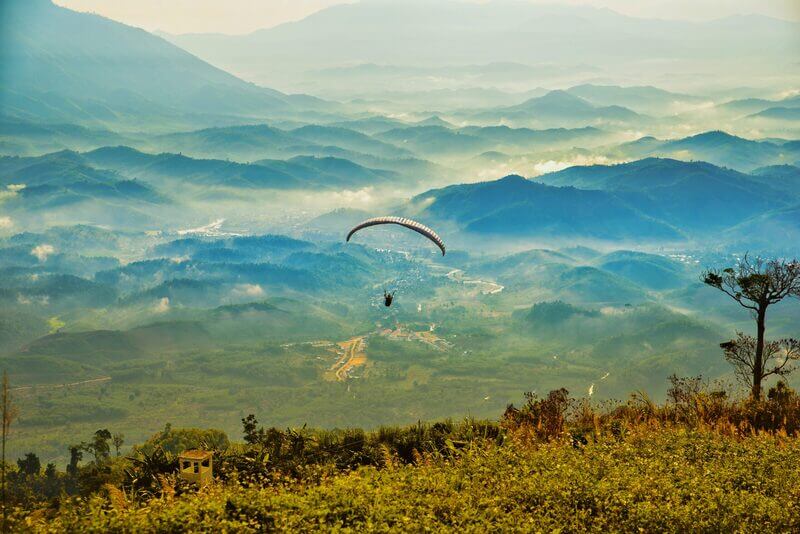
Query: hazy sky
[{"x": 243, "y": 16}]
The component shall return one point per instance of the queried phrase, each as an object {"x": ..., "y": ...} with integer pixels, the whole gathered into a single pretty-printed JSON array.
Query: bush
[
  {"x": 701, "y": 461},
  {"x": 670, "y": 480}
]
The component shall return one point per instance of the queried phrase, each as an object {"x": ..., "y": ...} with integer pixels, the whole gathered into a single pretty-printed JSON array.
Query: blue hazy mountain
[
  {"x": 63, "y": 178},
  {"x": 516, "y": 207},
  {"x": 778, "y": 113},
  {"x": 775, "y": 231},
  {"x": 691, "y": 195},
  {"x": 255, "y": 143},
  {"x": 559, "y": 107},
  {"x": 442, "y": 33},
  {"x": 297, "y": 173},
  {"x": 650, "y": 271},
  {"x": 748, "y": 106},
  {"x": 644, "y": 99},
  {"x": 347, "y": 139},
  {"x": 249, "y": 142},
  {"x": 60, "y": 65},
  {"x": 27, "y": 139},
  {"x": 716, "y": 147},
  {"x": 782, "y": 177},
  {"x": 91, "y": 240},
  {"x": 436, "y": 140}
]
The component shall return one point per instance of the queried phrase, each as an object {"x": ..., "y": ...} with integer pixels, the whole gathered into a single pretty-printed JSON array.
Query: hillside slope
[
  {"x": 61, "y": 65},
  {"x": 516, "y": 207}
]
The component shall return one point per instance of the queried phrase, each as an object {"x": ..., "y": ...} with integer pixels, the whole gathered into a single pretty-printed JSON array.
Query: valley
[{"x": 172, "y": 224}]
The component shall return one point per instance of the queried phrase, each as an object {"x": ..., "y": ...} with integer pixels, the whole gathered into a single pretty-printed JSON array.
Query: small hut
[{"x": 196, "y": 466}]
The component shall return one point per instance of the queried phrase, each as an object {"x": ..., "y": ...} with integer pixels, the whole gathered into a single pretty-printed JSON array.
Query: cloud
[
  {"x": 162, "y": 306},
  {"x": 544, "y": 167},
  {"x": 250, "y": 290},
  {"x": 789, "y": 93},
  {"x": 550, "y": 166},
  {"x": 358, "y": 196},
  {"x": 43, "y": 300},
  {"x": 211, "y": 229},
  {"x": 42, "y": 252},
  {"x": 6, "y": 223},
  {"x": 11, "y": 191}
]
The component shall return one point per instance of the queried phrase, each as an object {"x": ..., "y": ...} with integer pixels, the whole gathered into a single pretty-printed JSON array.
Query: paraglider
[
  {"x": 402, "y": 221},
  {"x": 407, "y": 223}
]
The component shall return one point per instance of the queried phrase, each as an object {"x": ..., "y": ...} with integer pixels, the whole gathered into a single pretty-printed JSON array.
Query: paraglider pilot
[{"x": 401, "y": 221}]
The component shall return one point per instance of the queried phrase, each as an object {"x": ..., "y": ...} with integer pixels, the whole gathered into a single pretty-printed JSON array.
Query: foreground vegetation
[
  {"x": 664, "y": 480},
  {"x": 700, "y": 462}
]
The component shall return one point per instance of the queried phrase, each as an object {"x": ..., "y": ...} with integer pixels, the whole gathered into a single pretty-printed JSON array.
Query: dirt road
[
  {"x": 353, "y": 356},
  {"x": 59, "y": 386}
]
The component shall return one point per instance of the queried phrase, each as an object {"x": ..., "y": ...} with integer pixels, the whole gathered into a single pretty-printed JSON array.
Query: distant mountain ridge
[
  {"x": 442, "y": 33},
  {"x": 644, "y": 98},
  {"x": 515, "y": 207},
  {"x": 651, "y": 199},
  {"x": 64, "y": 178},
  {"x": 559, "y": 107},
  {"x": 60, "y": 65},
  {"x": 295, "y": 173},
  {"x": 692, "y": 195},
  {"x": 433, "y": 140},
  {"x": 716, "y": 147}
]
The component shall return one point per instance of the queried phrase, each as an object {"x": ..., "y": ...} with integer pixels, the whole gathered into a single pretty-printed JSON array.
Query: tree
[
  {"x": 99, "y": 447},
  {"x": 75, "y": 456},
  {"x": 177, "y": 440},
  {"x": 777, "y": 358},
  {"x": 756, "y": 285},
  {"x": 118, "y": 440},
  {"x": 30, "y": 465},
  {"x": 50, "y": 470},
  {"x": 8, "y": 415},
  {"x": 252, "y": 433}
]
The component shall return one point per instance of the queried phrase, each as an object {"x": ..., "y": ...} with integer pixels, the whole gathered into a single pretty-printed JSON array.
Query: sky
[{"x": 244, "y": 16}]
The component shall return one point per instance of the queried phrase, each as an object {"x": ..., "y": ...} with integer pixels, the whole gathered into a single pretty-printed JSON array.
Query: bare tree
[
  {"x": 118, "y": 440},
  {"x": 8, "y": 415},
  {"x": 757, "y": 284},
  {"x": 778, "y": 357}
]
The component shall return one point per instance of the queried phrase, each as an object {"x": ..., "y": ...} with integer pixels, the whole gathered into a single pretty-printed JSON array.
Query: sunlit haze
[
  {"x": 243, "y": 16},
  {"x": 400, "y": 265}
]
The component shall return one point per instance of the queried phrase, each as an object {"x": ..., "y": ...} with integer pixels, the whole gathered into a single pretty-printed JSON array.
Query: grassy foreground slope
[{"x": 656, "y": 480}]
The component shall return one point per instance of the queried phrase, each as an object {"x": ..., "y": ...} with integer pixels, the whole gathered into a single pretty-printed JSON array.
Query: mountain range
[
  {"x": 62, "y": 179},
  {"x": 559, "y": 107},
  {"x": 301, "y": 172},
  {"x": 64, "y": 66},
  {"x": 514, "y": 207},
  {"x": 690, "y": 195},
  {"x": 717, "y": 147},
  {"x": 655, "y": 199},
  {"x": 442, "y": 34}
]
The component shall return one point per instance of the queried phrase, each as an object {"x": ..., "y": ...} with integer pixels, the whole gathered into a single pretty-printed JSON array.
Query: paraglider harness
[{"x": 388, "y": 297}]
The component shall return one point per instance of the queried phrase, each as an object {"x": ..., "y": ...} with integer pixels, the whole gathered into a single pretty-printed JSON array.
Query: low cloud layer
[{"x": 43, "y": 251}]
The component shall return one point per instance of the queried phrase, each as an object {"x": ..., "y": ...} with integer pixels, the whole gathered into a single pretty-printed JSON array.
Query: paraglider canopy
[{"x": 402, "y": 221}]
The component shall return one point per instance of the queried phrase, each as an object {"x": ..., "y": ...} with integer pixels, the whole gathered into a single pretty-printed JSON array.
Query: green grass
[{"x": 672, "y": 480}]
